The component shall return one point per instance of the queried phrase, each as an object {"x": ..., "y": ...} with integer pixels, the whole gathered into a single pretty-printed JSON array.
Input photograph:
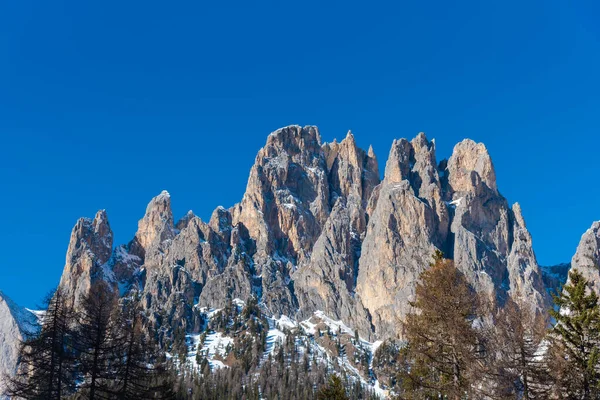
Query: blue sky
[{"x": 104, "y": 104}]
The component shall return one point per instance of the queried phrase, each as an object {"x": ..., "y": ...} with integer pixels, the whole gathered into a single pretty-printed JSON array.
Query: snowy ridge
[{"x": 27, "y": 320}]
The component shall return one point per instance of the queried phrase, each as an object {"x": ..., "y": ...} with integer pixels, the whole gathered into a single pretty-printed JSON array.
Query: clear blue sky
[{"x": 104, "y": 104}]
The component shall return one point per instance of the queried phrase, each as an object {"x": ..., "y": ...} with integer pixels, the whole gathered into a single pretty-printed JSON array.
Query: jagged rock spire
[
  {"x": 587, "y": 257},
  {"x": 89, "y": 250},
  {"x": 525, "y": 275},
  {"x": 155, "y": 227},
  {"x": 469, "y": 165}
]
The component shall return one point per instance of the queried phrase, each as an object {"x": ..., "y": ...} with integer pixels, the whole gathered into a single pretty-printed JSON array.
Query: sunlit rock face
[
  {"x": 89, "y": 251},
  {"x": 587, "y": 257}
]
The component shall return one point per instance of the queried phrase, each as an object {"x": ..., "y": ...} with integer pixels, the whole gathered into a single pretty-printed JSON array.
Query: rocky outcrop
[
  {"x": 327, "y": 281},
  {"x": 587, "y": 257},
  {"x": 491, "y": 243},
  {"x": 89, "y": 251},
  {"x": 283, "y": 209},
  {"x": 454, "y": 207},
  {"x": 471, "y": 166},
  {"x": 16, "y": 323},
  {"x": 287, "y": 197},
  {"x": 155, "y": 228},
  {"x": 526, "y": 285},
  {"x": 481, "y": 225},
  {"x": 353, "y": 174}
]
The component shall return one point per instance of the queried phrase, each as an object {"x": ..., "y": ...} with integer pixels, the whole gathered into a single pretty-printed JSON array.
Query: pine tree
[
  {"x": 574, "y": 341},
  {"x": 444, "y": 348},
  {"x": 97, "y": 342},
  {"x": 334, "y": 390},
  {"x": 46, "y": 369}
]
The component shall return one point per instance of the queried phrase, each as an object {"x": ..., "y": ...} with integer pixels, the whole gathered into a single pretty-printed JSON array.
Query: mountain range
[{"x": 321, "y": 234}]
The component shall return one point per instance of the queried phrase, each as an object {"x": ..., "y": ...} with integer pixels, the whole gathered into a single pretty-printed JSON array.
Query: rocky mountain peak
[
  {"x": 414, "y": 161},
  {"x": 287, "y": 196},
  {"x": 352, "y": 172},
  {"x": 155, "y": 227},
  {"x": 525, "y": 275},
  {"x": 407, "y": 223},
  {"x": 399, "y": 164},
  {"x": 518, "y": 214},
  {"x": 293, "y": 140},
  {"x": 421, "y": 141},
  {"x": 350, "y": 138},
  {"x": 184, "y": 221},
  {"x": 587, "y": 257},
  {"x": 90, "y": 248},
  {"x": 93, "y": 235},
  {"x": 220, "y": 220},
  {"x": 470, "y": 164},
  {"x": 371, "y": 152},
  {"x": 103, "y": 233}
]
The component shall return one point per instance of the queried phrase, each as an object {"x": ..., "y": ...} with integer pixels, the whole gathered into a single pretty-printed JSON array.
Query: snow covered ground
[
  {"x": 308, "y": 336},
  {"x": 215, "y": 344}
]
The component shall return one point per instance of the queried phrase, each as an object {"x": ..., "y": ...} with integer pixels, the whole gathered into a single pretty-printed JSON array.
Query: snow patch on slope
[{"x": 215, "y": 344}]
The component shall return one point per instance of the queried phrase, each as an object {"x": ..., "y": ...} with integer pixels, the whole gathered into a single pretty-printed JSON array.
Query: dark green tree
[
  {"x": 334, "y": 390},
  {"x": 574, "y": 341}
]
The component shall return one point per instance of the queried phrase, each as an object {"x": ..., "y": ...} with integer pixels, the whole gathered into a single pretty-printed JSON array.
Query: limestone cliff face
[
  {"x": 317, "y": 230},
  {"x": 525, "y": 275},
  {"x": 456, "y": 208},
  {"x": 491, "y": 243},
  {"x": 353, "y": 174},
  {"x": 587, "y": 257},
  {"x": 481, "y": 225},
  {"x": 155, "y": 228},
  {"x": 287, "y": 196},
  {"x": 328, "y": 280},
  {"x": 89, "y": 250}
]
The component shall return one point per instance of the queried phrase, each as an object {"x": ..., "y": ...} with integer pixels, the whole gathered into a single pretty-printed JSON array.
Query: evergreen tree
[
  {"x": 574, "y": 341},
  {"x": 444, "y": 348},
  {"x": 46, "y": 369},
  {"x": 334, "y": 390}
]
